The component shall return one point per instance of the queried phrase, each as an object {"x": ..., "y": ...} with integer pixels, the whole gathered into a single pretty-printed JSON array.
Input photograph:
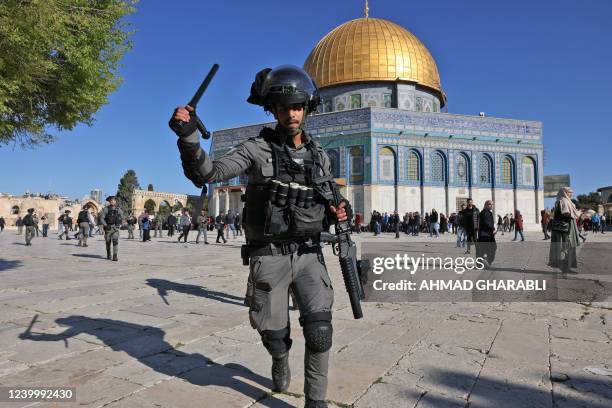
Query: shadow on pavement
[
  {"x": 497, "y": 392},
  {"x": 163, "y": 286},
  {"x": 147, "y": 345},
  {"x": 6, "y": 265},
  {"x": 89, "y": 256}
]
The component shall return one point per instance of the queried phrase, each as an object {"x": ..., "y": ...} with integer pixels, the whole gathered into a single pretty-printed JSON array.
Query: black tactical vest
[
  {"x": 266, "y": 222},
  {"x": 83, "y": 216},
  {"x": 112, "y": 216}
]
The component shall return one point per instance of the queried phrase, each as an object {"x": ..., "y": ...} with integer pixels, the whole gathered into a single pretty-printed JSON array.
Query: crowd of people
[{"x": 469, "y": 225}]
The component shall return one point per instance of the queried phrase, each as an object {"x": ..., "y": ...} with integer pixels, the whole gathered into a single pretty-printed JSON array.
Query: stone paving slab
[{"x": 165, "y": 326}]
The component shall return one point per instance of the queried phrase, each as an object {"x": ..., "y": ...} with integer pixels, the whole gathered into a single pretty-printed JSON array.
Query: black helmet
[{"x": 287, "y": 85}]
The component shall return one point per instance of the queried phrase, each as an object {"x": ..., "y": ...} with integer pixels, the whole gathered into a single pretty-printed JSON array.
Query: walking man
[
  {"x": 83, "y": 219},
  {"x": 111, "y": 217},
  {"x": 145, "y": 226},
  {"x": 220, "y": 226},
  {"x": 131, "y": 224},
  {"x": 185, "y": 223},
  {"x": 67, "y": 222},
  {"x": 202, "y": 226},
  {"x": 45, "y": 226},
  {"x": 518, "y": 225},
  {"x": 28, "y": 222},
  {"x": 470, "y": 223},
  {"x": 486, "y": 246},
  {"x": 19, "y": 224},
  {"x": 159, "y": 222},
  {"x": 283, "y": 252},
  {"x": 171, "y": 224},
  {"x": 229, "y": 221}
]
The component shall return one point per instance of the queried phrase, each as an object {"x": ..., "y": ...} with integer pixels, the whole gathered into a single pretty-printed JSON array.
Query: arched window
[
  {"x": 528, "y": 171},
  {"x": 15, "y": 210},
  {"x": 386, "y": 170},
  {"x": 413, "y": 165},
  {"x": 438, "y": 169},
  {"x": 485, "y": 169},
  {"x": 507, "y": 171},
  {"x": 356, "y": 164},
  {"x": 334, "y": 160},
  {"x": 462, "y": 169}
]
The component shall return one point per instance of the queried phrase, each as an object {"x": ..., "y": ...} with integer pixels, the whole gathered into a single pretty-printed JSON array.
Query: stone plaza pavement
[{"x": 165, "y": 327}]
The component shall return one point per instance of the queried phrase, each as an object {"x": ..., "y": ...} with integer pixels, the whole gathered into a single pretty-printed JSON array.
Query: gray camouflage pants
[
  {"x": 270, "y": 278},
  {"x": 111, "y": 235}
]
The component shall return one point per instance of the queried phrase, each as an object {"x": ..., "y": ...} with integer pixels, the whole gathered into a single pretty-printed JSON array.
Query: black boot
[
  {"x": 108, "y": 254},
  {"x": 115, "y": 257},
  {"x": 315, "y": 403},
  {"x": 281, "y": 375}
]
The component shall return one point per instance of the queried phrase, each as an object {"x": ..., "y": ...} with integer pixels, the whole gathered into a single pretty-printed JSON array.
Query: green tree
[
  {"x": 125, "y": 190},
  {"x": 58, "y": 64},
  {"x": 150, "y": 187},
  {"x": 589, "y": 201}
]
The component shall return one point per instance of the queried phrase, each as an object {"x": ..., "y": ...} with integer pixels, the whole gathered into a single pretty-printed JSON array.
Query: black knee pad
[
  {"x": 277, "y": 342},
  {"x": 318, "y": 331}
]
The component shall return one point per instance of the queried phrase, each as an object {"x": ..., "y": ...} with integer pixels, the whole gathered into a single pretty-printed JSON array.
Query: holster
[{"x": 244, "y": 254}]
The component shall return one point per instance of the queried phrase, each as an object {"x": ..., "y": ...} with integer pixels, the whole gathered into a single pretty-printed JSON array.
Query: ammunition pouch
[{"x": 306, "y": 222}]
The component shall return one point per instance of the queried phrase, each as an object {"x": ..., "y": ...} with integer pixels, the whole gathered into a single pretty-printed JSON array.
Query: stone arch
[
  {"x": 150, "y": 205},
  {"x": 15, "y": 210},
  {"x": 93, "y": 206},
  {"x": 140, "y": 197},
  {"x": 164, "y": 208}
]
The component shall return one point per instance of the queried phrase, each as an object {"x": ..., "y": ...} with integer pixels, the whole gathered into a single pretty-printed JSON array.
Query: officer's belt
[{"x": 283, "y": 249}]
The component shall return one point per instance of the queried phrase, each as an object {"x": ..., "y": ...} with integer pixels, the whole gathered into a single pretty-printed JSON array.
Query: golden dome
[{"x": 372, "y": 49}]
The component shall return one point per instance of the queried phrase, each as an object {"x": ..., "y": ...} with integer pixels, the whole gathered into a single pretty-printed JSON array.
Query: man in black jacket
[
  {"x": 470, "y": 223},
  {"x": 486, "y": 246}
]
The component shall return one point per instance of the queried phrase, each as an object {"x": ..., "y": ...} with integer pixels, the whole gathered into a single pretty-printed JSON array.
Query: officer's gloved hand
[{"x": 183, "y": 121}]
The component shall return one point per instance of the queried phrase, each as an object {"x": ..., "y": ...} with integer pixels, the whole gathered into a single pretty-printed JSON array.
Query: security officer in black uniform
[{"x": 287, "y": 172}]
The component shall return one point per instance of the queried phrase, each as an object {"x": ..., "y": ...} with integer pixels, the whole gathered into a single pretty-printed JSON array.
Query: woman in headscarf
[{"x": 564, "y": 238}]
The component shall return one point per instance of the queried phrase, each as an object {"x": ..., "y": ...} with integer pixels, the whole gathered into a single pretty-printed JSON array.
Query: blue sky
[{"x": 540, "y": 60}]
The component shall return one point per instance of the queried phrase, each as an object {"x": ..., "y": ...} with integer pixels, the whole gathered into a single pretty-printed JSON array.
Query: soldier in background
[
  {"x": 66, "y": 220},
  {"x": 83, "y": 220},
  {"x": 202, "y": 222},
  {"x": 159, "y": 224},
  {"x": 28, "y": 222},
  {"x": 111, "y": 218},
  {"x": 131, "y": 223}
]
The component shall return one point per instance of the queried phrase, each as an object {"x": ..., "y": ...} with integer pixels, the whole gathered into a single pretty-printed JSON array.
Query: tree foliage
[
  {"x": 58, "y": 64},
  {"x": 125, "y": 190},
  {"x": 589, "y": 201}
]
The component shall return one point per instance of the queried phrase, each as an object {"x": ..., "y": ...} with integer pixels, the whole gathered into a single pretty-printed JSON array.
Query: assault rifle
[{"x": 353, "y": 270}]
